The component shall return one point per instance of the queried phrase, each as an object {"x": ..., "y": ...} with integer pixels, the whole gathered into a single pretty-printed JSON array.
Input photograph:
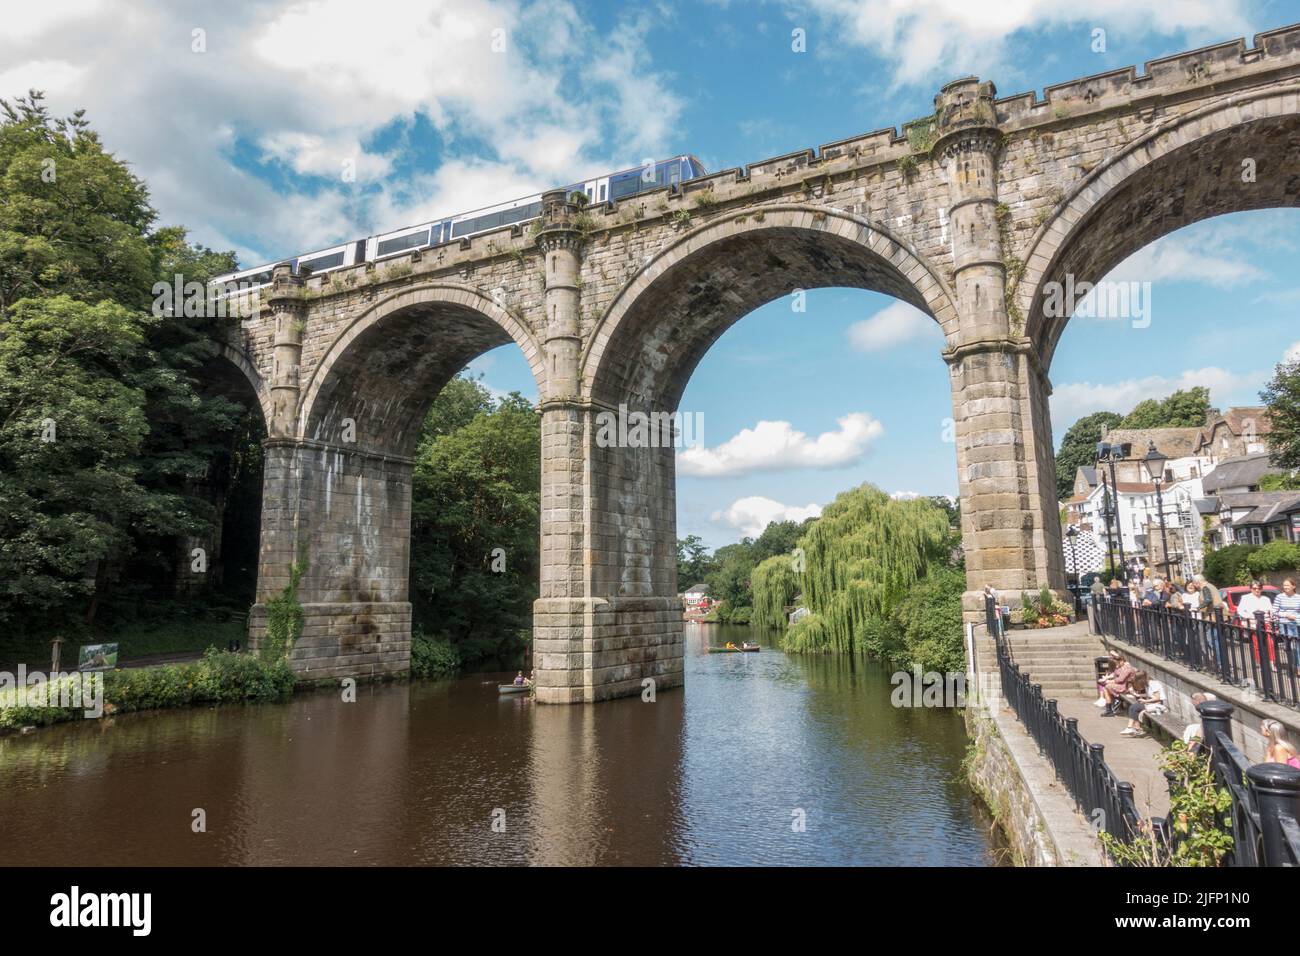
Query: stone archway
[
  {"x": 609, "y": 621},
  {"x": 643, "y": 349},
  {"x": 1179, "y": 173},
  {"x": 338, "y": 489}
]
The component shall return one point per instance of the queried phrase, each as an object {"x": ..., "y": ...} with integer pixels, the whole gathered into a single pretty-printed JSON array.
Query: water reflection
[{"x": 418, "y": 773}]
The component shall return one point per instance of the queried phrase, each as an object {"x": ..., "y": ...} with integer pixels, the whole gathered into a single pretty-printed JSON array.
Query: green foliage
[
  {"x": 1185, "y": 408},
  {"x": 72, "y": 428},
  {"x": 73, "y": 220},
  {"x": 774, "y": 584},
  {"x": 1289, "y": 481},
  {"x": 925, "y": 628},
  {"x": 1079, "y": 447},
  {"x": 1226, "y": 566},
  {"x": 693, "y": 561},
  {"x": 284, "y": 618},
  {"x": 1274, "y": 556},
  {"x": 1197, "y": 809},
  {"x": 729, "y": 580},
  {"x": 1041, "y": 610},
  {"x": 431, "y": 657},
  {"x": 1282, "y": 398},
  {"x": 218, "y": 678},
  {"x": 862, "y": 556},
  {"x": 136, "y": 438},
  {"x": 475, "y": 510}
]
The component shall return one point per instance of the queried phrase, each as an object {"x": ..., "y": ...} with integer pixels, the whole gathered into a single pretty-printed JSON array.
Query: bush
[
  {"x": 431, "y": 657},
  {"x": 742, "y": 615},
  {"x": 1226, "y": 566},
  {"x": 927, "y": 624},
  {"x": 1274, "y": 556},
  {"x": 219, "y": 678}
]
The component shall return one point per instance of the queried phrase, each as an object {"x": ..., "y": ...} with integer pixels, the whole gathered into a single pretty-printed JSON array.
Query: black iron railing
[
  {"x": 1264, "y": 818},
  {"x": 1263, "y": 655},
  {"x": 1081, "y": 766}
]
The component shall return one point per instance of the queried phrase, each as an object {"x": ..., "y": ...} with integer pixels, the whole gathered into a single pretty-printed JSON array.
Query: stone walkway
[{"x": 1136, "y": 761}]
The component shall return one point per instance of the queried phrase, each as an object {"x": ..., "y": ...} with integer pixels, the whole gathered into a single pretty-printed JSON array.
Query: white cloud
[
  {"x": 1292, "y": 354},
  {"x": 1205, "y": 256},
  {"x": 904, "y": 495},
  {"x": 893, "y": 325},
  {"x": 307, "y": 85},
  {"x": 751, "y": 515},
  {"x": 927, "y": 39},
  {"x": 775, "y": 445},
  {"x": 1073, "y": 400}
]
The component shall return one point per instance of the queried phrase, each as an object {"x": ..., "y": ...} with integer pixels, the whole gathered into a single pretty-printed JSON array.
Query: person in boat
[
  {"x": 519, "y": 679},
  {"x": 730, "y": 646}
]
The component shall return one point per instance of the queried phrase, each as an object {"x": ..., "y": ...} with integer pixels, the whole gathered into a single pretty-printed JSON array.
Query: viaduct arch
[{"x": 970, "y": 214}]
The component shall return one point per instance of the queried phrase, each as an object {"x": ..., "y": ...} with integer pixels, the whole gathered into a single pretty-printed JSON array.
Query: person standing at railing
[
  {"x": 1255, "y": 601},
  {"x": 1211, "y": 600},
  {"x": 1287, "y": 608}
]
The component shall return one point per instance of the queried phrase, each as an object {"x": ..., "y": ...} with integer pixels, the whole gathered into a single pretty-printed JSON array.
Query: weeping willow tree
[
  {"x": 774, "y": 583},
  {"x": 861, "y": 558}
]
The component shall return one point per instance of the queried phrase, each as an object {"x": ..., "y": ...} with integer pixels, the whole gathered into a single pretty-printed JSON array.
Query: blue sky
[{"x": 243, "y": 124}]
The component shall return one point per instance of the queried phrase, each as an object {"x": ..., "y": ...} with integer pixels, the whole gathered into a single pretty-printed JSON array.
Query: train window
[
  {"x": 322, "y": 262},
  {"x": 624, "y": 185},
  {"x": 400, "y": 243}
]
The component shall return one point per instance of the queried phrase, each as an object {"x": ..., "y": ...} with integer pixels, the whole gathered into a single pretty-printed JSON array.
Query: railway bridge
[{"x": 978, "y": 215}]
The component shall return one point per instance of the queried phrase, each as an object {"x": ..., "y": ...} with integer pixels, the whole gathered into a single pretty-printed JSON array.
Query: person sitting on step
[{"x": 1150, "y": 703}]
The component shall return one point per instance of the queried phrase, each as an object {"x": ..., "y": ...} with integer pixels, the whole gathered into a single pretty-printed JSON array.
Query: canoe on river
[
  {"x": 513, "y": 688},
  {"x": 734, "y": 650}
]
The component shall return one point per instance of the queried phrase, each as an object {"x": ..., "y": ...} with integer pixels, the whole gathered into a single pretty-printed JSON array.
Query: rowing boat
[
  {"x": 734, "y": 650},
  {"x": 513, "y": 688}
]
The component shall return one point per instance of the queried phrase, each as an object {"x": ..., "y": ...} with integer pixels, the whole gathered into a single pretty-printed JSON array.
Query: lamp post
[
  {"x": 1156, "y": 468},
  {"x": 1110, "y": 534},
  {"x": 1072, "y": 532},
  {"x": 1107, "y": 452}
]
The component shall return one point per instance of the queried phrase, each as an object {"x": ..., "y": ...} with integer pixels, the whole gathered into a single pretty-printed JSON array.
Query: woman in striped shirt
[{"x": 1287, "y": 609}]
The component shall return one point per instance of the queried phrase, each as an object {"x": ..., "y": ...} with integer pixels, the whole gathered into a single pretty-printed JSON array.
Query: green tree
[
  {"x": 475, "y": 507},
  {"x": 729, "y": 580},
  {"x": 1185, "y": 408},
  {"x": 779, "y": 537},
  {"x": 74, "y": 219},
  {"x": 693, "y": 561},
  {"x": 1282, "y": 397},
  {"x": 72, "y": 425},
  {"x": 1079, "y": 447},
  {"x": 862, "y": 557}
]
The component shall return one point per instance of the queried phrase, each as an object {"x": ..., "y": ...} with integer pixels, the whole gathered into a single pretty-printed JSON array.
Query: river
[{"x": 762, "y": 759}]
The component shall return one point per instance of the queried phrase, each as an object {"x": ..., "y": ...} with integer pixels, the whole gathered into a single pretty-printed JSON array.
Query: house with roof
[
  {"x": 1240, "y": 475},
  {"x": 1237, "y": 433},
  {"x": 1258, "y": 517}
]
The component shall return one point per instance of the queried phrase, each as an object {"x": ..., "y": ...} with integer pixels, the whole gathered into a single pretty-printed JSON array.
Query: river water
[{"x": 762, "y": 759}]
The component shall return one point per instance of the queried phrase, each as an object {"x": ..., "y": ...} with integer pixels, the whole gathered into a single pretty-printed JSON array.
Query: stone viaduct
[{"x": 969, "y": 215}]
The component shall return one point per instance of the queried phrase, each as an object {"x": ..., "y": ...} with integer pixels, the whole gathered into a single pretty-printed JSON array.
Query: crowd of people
[{"x": 1198, "y": 597}]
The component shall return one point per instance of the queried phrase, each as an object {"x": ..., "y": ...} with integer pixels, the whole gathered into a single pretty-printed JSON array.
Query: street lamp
[
  {"x": 1107, "y": 452},
  {"x": 1072, "y": 532},
  {"x": 1156, "y": 468}
]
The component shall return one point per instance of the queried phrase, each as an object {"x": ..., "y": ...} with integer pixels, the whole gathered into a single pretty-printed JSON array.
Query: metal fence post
[{"x": 1277, "y": 795}]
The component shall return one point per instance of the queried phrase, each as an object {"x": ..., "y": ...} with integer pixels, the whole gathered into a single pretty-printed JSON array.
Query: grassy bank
[{"x": 218, "y": 678}]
